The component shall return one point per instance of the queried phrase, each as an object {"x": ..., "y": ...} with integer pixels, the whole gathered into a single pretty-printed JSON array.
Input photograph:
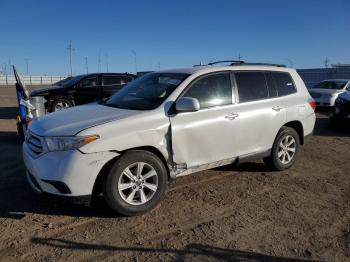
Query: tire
[
  {"x": 123, "y": 195},
  {"x": 60, "y": 103},
  {"x": 281, "y": 161}
]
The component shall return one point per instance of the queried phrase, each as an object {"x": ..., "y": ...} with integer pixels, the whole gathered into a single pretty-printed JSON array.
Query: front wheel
[
  {"x": 284, "y": 150},
  {"x": 60, "y": 103},
  {"x": 135, "y": 184}
]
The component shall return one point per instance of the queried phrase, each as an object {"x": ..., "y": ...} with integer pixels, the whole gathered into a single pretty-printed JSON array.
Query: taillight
[{"x": 312, "y": 103}]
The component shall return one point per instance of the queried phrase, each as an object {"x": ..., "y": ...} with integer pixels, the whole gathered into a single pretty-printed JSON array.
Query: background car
[
  {"x": 82, "y": 89},
  {"x": 341, "y": 116},
  {"x": 326, "y": 92}
]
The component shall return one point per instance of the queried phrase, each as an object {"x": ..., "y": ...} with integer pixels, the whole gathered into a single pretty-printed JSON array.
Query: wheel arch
[
  {"x": 298, "y": 127},
  {"x": 55, "y": 97},
  {"x": 97, "y": 188}
]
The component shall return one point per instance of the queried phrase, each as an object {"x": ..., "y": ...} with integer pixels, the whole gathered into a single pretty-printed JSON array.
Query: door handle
[
  {"x": 277, "y": 108},
  {"x": 231, "y": 116}
]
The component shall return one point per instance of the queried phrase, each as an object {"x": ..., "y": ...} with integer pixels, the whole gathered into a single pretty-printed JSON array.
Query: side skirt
[{"x": 182, "y": 170}]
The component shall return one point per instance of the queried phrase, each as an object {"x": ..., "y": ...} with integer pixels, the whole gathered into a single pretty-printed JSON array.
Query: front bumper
[{"x": 64, "y": 173}]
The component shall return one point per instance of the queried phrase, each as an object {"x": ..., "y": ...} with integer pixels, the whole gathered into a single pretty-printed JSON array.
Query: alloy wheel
[
  {"x": 138, "y": 183},
  {"x": 286, "y": 149}
]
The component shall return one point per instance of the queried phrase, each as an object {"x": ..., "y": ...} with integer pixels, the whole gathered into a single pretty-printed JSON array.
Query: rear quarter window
[{"x": 284, "y": 83}]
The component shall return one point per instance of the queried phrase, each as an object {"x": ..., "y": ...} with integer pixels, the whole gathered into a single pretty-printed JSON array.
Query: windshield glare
[
  {"x": 147, "y": 92},
  {"x": 331, "y": 85}
]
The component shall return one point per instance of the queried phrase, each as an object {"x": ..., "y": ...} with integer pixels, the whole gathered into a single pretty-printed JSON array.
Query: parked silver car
[
  {"x": 326, "y": 92},
  {"x": 168, "y": 124}
]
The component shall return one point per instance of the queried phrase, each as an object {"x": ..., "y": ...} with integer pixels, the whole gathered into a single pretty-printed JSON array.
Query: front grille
[{"x": 34, "y": 143}]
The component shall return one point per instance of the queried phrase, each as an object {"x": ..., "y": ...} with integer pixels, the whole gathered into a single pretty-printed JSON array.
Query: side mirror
[{"x": 187, "y": 104}]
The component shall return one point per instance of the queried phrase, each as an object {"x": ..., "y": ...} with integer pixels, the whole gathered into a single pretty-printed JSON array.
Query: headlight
[{"x": 68, "y": 143}]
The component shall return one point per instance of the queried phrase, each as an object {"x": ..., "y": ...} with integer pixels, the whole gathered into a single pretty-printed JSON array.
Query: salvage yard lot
[{"x": 228, "y": 213}]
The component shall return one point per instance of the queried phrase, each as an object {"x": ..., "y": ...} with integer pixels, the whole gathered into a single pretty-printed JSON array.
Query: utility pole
[
  {"x": 239, "y": 57},
  {"x": 326, "y": 62},
  {"x": 70, "y": 50},
  {"x": 135, "y": 60},
  {"x": 158, "y": 66},
  {"x": 86, "y": 65},
  {"x": 106, "y": 57},
  {"x": 27, "y": 64},
  {"x": 99, "y": 60}
]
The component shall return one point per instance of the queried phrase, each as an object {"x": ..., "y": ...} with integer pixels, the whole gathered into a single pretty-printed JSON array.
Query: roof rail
[
  {"x": 264, "y": 64},
  {"x": 232, "y": 62}
]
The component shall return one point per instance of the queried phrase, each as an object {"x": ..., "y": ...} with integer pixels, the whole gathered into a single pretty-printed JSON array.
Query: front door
[{"x": 210, "y": 134}]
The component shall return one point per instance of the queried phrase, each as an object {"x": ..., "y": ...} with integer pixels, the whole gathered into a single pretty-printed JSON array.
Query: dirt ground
[{"x": 243, "y": 213}]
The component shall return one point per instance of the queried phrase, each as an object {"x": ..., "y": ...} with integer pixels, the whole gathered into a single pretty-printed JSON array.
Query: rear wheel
[
  {"x": 60, "y": 103},
  {"x": 136, "y": 183},
  {"x": 284, "y": 150}
]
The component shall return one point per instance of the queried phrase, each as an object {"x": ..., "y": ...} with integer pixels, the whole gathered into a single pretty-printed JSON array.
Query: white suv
[{"x": 167, "y": 124}]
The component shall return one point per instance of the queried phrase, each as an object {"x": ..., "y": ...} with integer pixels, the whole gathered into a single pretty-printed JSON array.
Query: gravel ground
[{"x": 244, "y": 213}]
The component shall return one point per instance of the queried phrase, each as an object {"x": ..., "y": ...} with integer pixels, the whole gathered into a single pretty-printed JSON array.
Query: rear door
[
  {"x": 261, "y": 113},
  {"x": 111, "y": 84},
  {"x": 88, "y": 90},
  {"x": 210, "y": 134}
]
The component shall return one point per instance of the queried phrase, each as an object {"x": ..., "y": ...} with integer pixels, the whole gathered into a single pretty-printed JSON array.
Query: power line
[{"x": 70, "y": 50}]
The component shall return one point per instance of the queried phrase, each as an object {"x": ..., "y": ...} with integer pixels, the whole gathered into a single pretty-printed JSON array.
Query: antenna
[
  {"x": 26, "y": 60},
  {"x": 70, "y": 50},
  {"x": 86, "y": 65}
]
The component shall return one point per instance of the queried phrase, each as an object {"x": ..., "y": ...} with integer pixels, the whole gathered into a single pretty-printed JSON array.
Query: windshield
[
  {"x": 61, "y": 82},
  {"x": 72, "y": 81},
  {"x": 331, "y": 85},
  {"x": 147, "y": 92}
]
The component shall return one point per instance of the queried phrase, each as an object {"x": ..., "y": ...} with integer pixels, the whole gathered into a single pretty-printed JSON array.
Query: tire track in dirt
[
  {"x": 185, "y": 226},
  {"x": 79, "y": 224}
]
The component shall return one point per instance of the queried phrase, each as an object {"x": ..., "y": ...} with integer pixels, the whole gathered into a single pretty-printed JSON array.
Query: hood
[
  {"x": 46, "y": 90},
  {"x": 69, "y": 122},
  {"x": 323, "y": 91}
]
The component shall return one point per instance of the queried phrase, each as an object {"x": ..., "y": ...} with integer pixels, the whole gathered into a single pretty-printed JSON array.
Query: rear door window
[
  {"x": 251, "y": 86},
  {"x": 110, "y": 80},
  {"x": 284, "y": 83}
]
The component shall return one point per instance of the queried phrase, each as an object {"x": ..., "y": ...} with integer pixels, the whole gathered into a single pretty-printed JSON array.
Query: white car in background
[{"x": 326, "y": 92}]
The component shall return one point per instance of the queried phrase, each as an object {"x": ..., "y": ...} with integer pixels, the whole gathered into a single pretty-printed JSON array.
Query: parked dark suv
[{"x": 82, "y": 89}]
